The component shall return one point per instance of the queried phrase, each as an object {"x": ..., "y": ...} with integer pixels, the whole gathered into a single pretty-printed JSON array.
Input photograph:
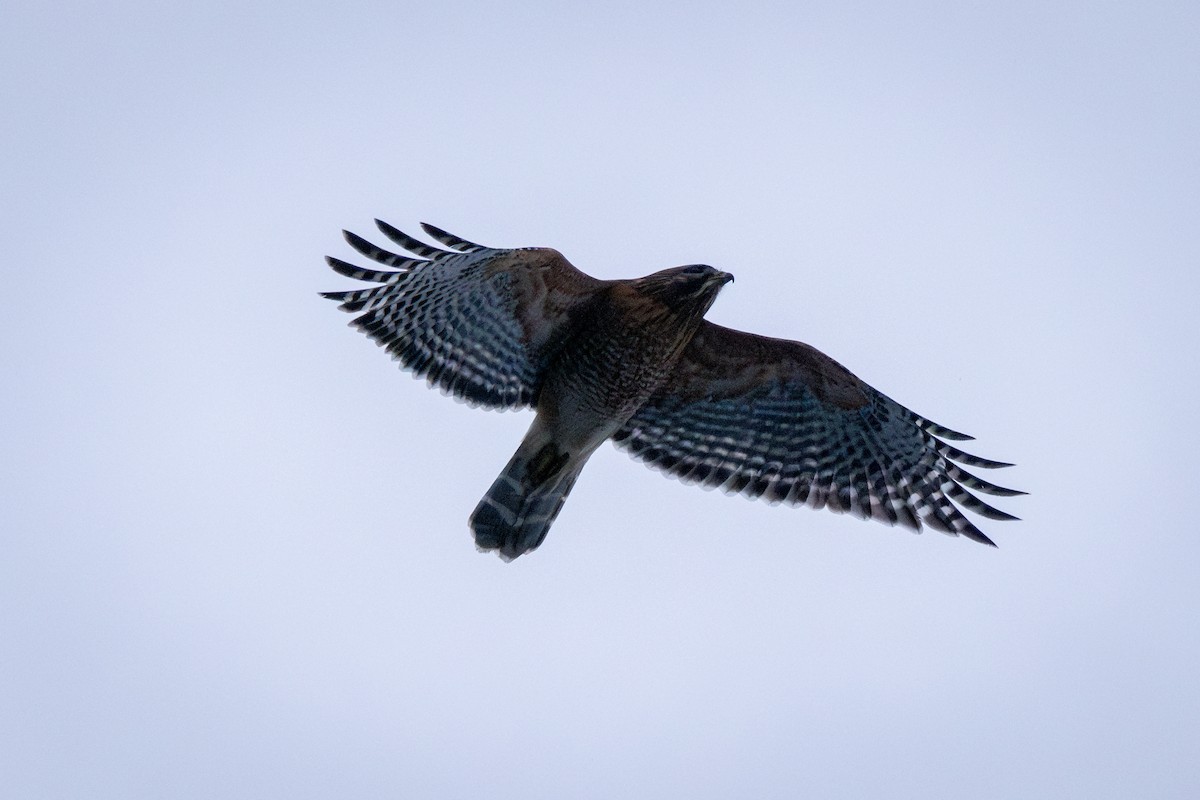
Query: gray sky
[{"x": 236, "y": 560}]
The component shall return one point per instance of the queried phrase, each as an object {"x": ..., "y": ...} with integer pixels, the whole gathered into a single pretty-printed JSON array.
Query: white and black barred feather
[
  {"x": 444, "y": 318},
  {"x": 459, "y": 318},
  {"x": 808, "y": 433}
]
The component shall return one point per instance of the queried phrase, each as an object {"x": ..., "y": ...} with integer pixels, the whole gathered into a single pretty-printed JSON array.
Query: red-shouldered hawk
[{"x": 636, "y": 362}]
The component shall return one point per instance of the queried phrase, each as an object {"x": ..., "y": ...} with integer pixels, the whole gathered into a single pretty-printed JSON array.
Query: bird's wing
[
  {"x": 779, "y": 419},
  {"x": 480, "y": 323}
]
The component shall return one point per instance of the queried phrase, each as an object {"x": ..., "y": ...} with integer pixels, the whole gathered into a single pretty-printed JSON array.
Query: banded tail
[{"x": 516, "y": 513}]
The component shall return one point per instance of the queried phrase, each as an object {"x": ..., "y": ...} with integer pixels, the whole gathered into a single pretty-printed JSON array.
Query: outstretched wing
[
  {"x": 478, "y": 322},
  {"x": 779, "y": 419}
]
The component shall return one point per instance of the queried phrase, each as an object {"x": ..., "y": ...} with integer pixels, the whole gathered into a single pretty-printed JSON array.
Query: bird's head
[{"x": 691, "y": 288}]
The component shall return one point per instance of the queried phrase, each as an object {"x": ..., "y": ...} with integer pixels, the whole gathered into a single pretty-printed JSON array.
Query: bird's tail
[{"x": 515, "y": 515}]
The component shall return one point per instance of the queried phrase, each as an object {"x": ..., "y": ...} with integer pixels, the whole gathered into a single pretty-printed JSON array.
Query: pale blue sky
[{"x": 236, "y": 559}]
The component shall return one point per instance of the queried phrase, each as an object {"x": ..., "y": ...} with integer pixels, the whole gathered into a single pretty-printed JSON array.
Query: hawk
[{"x": 635, "y": 361}]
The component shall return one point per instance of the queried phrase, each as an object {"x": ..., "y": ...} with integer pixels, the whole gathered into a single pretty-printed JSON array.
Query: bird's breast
[{"x": 613, "y": 364}]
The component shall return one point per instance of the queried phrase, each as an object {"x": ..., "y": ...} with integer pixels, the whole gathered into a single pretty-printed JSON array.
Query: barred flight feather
[{"x": 450, "y": 240}]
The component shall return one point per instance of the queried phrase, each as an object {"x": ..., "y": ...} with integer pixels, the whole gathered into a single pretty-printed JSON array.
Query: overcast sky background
[{"x": 235, "y": 555}]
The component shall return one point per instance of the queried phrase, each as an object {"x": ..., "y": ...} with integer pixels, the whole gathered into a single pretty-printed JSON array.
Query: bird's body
[
  {"x": 624, "y": 348},
  {"x": 635, "y": 362}
]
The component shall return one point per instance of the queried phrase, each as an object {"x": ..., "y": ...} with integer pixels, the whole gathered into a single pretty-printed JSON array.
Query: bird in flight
[{"x": 635, "y": 361}]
